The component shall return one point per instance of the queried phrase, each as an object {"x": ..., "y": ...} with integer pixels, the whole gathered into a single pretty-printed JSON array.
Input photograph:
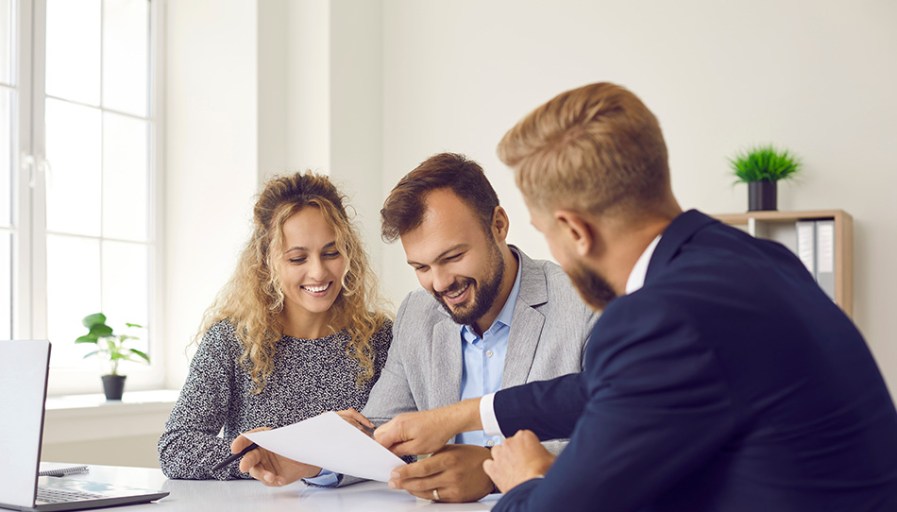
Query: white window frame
[{"x": 29, "y": 202}]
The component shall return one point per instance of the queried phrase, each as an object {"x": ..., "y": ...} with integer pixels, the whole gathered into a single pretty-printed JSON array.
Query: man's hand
[
  {"x": 520, "y": 458},
  {"x": 269, "y": 468},
  {"x": 456, "y": 472},
  {"x": 415, "y": 433}
]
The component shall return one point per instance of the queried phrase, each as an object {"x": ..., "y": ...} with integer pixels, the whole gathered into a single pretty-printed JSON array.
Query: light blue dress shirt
[{"x": 484, "y": 362}]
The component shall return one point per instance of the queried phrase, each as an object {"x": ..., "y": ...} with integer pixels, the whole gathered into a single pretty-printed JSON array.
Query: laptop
[{"x": 23, "y": 390}]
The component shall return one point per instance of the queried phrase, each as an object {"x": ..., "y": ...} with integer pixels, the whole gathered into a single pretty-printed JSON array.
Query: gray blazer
[{"x": 549, "y": 330}]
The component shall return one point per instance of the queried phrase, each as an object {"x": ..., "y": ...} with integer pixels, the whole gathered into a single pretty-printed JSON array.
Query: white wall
[
  {"x": 356, "y": 112},
  {"x": 320, "y": 92},
  {"x": 365, "y": 90},
  {"x": 256, "y": 88},
  {"x": 273, "y": 93},
  {"x": 816, "y": 77},
  {"x": 211, "y": 121},
  {"x": 307, "y": 65}
]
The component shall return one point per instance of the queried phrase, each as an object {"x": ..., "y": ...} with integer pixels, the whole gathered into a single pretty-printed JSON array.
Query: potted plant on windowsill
[
  {"x": 112, "y": 347},
  {"x": 762, "y": 168}
]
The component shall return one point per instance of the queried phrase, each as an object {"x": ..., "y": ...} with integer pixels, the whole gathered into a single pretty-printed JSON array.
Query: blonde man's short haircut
[{"x": 596, "y": 148}]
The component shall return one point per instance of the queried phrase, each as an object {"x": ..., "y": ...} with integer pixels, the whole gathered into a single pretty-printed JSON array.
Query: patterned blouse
[{"x": 309, "y": 377}]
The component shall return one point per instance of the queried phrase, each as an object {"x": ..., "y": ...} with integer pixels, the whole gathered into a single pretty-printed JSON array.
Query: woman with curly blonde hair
[{"x": 297, "y": 331}]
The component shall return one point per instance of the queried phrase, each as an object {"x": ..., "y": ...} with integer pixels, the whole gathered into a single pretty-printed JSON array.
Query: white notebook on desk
[{"x": 23, "y": 390}]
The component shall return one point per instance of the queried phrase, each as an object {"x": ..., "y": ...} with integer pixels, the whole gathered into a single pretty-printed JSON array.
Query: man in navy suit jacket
[{"x": 719, "y": 377}]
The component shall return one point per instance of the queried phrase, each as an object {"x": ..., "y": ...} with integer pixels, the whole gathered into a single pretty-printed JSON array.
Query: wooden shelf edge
[{"x": 780, "y": 216}]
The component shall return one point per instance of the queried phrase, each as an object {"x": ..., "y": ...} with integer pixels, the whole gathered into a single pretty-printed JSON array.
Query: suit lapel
[
  {"x": 522, "y": 343},
  {"x": 445, "y": 365},
  {"x": 526, "y": 324}
]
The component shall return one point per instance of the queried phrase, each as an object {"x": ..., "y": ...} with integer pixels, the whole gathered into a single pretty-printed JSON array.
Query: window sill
[{"x": 75, "y": 418}]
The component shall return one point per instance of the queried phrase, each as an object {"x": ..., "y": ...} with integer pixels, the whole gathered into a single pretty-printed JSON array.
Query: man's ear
[
  {"x": 578, "y": 231},
  {"x": 500, "y": 224}
]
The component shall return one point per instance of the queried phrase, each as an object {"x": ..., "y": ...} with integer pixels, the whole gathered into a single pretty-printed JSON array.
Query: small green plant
[
  {"x": 764, "y": 163},
  {"x": 110, "y": 346}
]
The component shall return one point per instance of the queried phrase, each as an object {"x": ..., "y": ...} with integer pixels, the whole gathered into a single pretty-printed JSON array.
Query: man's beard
[
  {"x": 486, "y": 292},
  {"x": 594, "y": 289}
]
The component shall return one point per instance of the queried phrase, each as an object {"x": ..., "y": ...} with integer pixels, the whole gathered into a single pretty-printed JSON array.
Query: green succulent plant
[
  {"x": 764, "y": 163},
  {"x": 110, "y": 346}
]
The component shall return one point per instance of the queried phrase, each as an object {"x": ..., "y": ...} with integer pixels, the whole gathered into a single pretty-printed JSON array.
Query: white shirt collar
[{"x": 637, "y": 275}]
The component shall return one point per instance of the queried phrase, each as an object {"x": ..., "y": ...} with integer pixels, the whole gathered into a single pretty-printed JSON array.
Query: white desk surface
[{"x": 213, "y": 495}]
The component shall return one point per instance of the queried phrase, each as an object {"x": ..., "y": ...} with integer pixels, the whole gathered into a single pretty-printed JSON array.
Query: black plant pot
[
  {"x": 114, "y": 386},
  {"x": 762, "y": 195}
]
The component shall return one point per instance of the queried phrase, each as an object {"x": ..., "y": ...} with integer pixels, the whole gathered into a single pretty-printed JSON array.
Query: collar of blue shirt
[{"x": 504, "y": 316}]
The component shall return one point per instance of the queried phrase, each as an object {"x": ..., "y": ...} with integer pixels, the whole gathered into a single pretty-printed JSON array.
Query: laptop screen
[{"x": 23, "y": 387}]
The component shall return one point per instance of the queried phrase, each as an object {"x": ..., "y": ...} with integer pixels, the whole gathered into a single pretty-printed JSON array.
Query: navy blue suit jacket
[{"x": 730, "y": 382}]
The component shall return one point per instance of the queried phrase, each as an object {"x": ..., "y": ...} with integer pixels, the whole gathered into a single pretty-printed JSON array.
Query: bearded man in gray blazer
[{"x": 488, "y": 317}]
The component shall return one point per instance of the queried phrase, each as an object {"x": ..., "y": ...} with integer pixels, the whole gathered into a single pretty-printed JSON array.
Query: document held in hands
[{"x": 332, "y": 443}]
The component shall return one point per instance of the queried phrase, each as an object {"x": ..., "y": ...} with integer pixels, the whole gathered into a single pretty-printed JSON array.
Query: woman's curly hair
[{"x": 252, "y": 301}]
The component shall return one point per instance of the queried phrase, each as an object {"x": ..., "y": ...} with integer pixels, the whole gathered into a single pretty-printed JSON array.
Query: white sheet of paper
[{"x": 332, "y": 443}]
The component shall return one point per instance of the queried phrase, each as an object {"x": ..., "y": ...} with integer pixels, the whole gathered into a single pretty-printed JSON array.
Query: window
[
  {"x": 7, "y": 143},
  {"x": 80, "y": 236}
]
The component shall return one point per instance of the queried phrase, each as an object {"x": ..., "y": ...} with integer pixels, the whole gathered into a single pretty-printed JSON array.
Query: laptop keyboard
[{"x": 48, "y": 495}]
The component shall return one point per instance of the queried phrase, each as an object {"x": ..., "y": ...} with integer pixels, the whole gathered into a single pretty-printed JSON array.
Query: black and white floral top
[{"x": 309, "y": 377}]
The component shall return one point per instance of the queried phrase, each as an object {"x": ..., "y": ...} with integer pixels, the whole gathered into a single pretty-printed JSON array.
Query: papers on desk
[{"x": 332, "y": 443}]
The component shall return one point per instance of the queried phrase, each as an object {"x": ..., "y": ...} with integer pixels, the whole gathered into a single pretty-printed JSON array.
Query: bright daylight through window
[{"x": 76, "y": 176}]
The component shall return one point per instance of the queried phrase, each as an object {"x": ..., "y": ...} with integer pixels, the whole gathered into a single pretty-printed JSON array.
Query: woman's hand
[{"x": 268, "y": 467}]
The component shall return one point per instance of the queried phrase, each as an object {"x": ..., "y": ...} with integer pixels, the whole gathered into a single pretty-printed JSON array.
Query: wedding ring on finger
[{"x": 435, "y": 495}]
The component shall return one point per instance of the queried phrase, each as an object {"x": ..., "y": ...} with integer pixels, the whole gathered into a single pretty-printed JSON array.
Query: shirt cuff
[
  {"x": 487, "y": 416},
  {"x": 325, "y": 478}
]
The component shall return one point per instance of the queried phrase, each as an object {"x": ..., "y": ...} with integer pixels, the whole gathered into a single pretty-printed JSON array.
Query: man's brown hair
[
  {"x": 404, "y": 209},
  {"x": 595, "y": 148}
]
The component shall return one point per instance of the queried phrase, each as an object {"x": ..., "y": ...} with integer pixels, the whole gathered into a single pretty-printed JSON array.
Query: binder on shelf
[
  {"x": 816, "y": 249},
  {"x": 806, "y": 244},
  {"x": 825, "y": 256}
]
